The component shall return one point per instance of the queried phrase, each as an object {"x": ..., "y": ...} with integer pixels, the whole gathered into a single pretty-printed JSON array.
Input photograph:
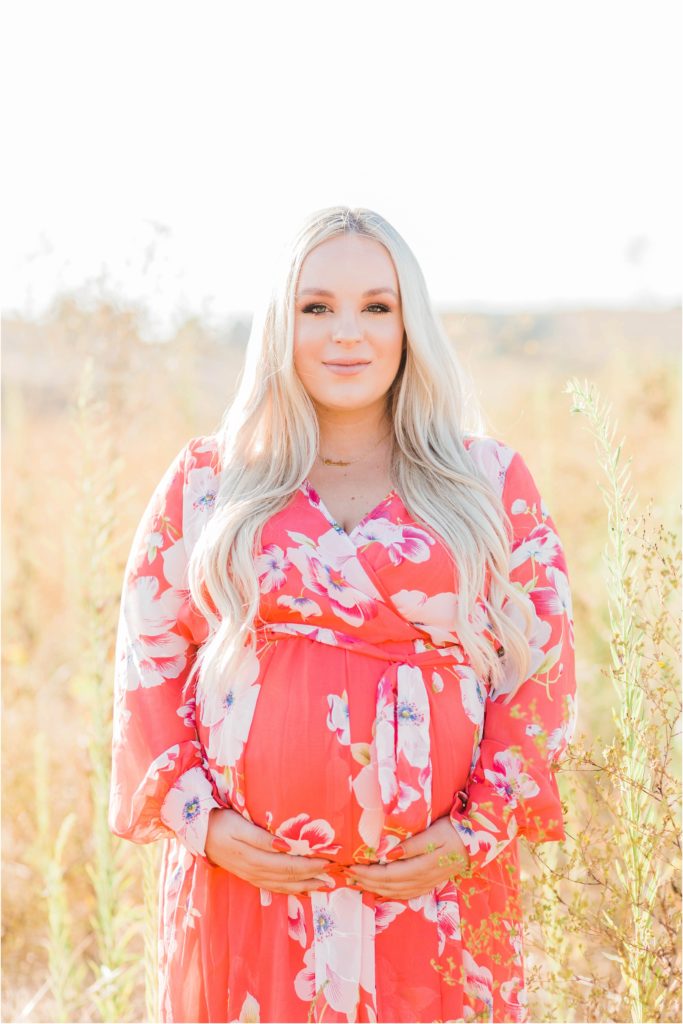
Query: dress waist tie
[
  {"x": 400, "y": 747},
  {"x": 398, "y": 783}
]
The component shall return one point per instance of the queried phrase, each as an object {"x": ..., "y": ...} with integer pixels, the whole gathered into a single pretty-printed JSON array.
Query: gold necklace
[{"x": 340, "y": 462}]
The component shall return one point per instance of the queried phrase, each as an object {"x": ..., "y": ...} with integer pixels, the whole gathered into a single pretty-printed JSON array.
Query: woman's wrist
[{"x": 213, "y": 813}]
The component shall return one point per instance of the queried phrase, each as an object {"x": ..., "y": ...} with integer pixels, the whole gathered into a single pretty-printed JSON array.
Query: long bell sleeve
[
  {"x": 512, "y": 786},
  {"x": 161, "y": 785}
]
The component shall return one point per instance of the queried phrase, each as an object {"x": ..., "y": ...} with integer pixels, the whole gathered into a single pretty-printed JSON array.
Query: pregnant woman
[{"x": 344, "y": 669}]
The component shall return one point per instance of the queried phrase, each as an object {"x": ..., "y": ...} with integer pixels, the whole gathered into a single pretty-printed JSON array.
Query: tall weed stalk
[
  {"x": 150, "y": 856},
  {"x": 66, "y": 972},
  {"x": 116, "y": 921},
  {"x": 641, "y": 564},
  {"x": 610, "y": 911}
]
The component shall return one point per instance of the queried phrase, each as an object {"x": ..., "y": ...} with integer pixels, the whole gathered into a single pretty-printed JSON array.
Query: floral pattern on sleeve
[
  {"x": 161, "y": 784},
  {"x": 512, "y": 789}
]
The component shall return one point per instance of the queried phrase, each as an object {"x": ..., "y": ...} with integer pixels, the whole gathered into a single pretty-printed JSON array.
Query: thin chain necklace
[{"x": 341, "y": 462}]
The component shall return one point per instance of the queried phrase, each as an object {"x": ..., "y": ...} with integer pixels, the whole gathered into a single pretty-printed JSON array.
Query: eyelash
[{"x": 312, "y": 305}]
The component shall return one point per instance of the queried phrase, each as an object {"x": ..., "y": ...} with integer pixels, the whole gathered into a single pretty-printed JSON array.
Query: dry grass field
[{"x": 92, "y": 416}]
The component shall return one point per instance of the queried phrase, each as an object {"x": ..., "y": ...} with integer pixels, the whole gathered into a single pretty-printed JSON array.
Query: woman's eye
[{"x": 314, "y": 306}]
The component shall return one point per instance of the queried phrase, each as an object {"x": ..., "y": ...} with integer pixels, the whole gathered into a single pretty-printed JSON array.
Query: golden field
[{"x": 92, "y": 415}]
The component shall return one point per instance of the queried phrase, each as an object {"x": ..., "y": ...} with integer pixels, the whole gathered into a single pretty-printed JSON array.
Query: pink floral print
[{"x": 356, "y": 723}]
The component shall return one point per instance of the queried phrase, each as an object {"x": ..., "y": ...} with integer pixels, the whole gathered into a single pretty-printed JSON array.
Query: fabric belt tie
[
  {"x": 400, "y": 748},
  {"x": 398, "y": 782}
]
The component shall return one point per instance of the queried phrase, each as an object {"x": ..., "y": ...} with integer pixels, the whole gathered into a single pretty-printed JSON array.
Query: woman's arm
[
  {"x": 160, "y": 783},
  {"x": 512, "y": 788}
]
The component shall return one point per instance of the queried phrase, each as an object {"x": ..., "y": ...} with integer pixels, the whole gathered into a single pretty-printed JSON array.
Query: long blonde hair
[{"x": 268, "y": 440}]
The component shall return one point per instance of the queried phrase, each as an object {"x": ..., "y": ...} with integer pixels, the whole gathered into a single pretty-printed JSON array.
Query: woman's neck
[{"x": 350, "y": 435}]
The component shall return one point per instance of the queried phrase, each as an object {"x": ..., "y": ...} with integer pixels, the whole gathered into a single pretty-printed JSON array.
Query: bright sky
[{"x": 529, "y": 152}]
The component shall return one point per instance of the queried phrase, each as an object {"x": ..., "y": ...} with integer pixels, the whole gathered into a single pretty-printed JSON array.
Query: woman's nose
[{"x": 347, "y": 328}]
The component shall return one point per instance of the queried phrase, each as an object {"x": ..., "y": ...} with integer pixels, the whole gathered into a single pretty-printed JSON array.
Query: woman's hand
[
  {"x": 246, "y": 850},
  {"x": 431, "y": 857}
]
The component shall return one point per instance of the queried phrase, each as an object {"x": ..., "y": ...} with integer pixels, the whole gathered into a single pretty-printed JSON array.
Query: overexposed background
[{"x": 530, "y": 152}]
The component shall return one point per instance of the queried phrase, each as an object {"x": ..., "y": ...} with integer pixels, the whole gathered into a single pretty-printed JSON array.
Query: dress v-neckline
[{"x": 330, "y": 518}]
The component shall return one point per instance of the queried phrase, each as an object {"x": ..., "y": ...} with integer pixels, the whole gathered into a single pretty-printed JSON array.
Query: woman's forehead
[{"x": 348, "y": 259}]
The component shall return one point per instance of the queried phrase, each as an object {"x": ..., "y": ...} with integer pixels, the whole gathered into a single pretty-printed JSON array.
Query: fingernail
[
  {"x": 280, "y": 844},
  {"x": 396, "y": 853}
]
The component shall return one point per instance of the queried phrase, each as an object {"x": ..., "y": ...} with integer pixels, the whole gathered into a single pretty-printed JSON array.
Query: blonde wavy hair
[{"x": 268, "y": 439}]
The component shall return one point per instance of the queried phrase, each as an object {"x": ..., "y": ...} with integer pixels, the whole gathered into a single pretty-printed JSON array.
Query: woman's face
[{"x": 348, "y": 309}]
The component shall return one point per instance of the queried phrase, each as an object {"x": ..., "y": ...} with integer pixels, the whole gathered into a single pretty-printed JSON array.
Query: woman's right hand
[{"x": 246, "y": 850}]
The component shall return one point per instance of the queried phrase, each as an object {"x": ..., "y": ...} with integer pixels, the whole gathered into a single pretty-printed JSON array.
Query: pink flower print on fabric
[
  {"x": 338, "y": 717},
  {"x": 228, "y": 714},
  {"x": 343, "y": 958},
  {"x": 306, "y": 837},
  {"x": 334, "y": 573},
  {"x": 543, "y": 545},
  {"x": 509, "y": 779},
  {"x": 186, "y": 809},
  {"x": 271, "y": 568},
  {"x": 402, "y": 743},
  {"x": 151, "y": 652}
]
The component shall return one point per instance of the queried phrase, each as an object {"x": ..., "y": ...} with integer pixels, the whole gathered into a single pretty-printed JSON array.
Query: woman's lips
[{"x": 346, "y": 369}]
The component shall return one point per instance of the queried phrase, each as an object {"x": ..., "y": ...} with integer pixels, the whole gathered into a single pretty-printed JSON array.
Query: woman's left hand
[{"x": 431, "y": 857}]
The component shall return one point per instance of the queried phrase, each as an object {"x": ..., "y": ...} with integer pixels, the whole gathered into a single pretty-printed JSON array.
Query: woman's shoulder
[
  {"x": 491, "y": 456},
  {"x": 202, "y": 452}
]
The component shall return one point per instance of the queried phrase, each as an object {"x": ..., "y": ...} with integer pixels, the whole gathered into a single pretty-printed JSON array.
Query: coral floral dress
[{"x": 352, "y": 725}]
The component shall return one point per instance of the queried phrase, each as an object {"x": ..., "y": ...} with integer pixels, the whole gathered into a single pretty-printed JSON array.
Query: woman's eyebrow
[{"x": 324, "y": 291}]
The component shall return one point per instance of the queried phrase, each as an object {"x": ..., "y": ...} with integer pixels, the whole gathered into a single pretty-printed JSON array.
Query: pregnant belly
[{"x": 307, "y": 770}]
